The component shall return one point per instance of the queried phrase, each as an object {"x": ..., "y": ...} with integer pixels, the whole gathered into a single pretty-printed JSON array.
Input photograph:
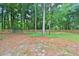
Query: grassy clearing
[{"x": 65, "y": 35}]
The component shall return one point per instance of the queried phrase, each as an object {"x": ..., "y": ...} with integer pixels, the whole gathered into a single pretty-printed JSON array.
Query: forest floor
[{"x": 25, "y": 45}]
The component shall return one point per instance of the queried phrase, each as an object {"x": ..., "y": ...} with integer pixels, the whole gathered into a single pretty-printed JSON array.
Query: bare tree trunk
[
  {"x": 43, "y": 28},
  {"x": 9, "y": 17},
  {"x": 2, "y": 18},
  {"x": 49, "y": 23},
  {"x": 35, "y": 19},
  {"x": 22, "y": 17}
]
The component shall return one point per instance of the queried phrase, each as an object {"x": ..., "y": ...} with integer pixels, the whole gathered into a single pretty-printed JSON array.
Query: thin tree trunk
[
  {"x": 35, "y": 19},
  {"x": 22, "y": 17},
  {"x": 43, "y": 28},
  {"x": 12, "y": 22},
  {"x": 49, "y": 23},
  {"x": 9, "y": 16},
  {"x": 2, "y": 19}
]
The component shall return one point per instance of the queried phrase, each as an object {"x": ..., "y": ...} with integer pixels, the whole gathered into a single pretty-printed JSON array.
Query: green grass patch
[{"x": 65, "y": 35}]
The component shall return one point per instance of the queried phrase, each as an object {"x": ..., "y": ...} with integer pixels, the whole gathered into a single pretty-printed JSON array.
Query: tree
[
  {"x": 35, "y": 19},
  {"x": 43, "y": 28}
]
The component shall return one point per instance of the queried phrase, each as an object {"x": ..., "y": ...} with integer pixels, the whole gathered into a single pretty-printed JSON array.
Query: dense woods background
[{"x": 38, "y": 16}]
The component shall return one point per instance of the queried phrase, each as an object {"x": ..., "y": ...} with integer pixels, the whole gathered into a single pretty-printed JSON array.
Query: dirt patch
[{"x": 22, "y": 44}]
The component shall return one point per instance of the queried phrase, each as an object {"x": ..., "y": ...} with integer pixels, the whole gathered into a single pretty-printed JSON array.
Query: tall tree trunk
[
  {"x": 12, "y": 22},
  {"x": 2, "y": 18},
  {"x": 9, "y": 16},
  {"x": 43, "y": 28},
  {"x": 22, "y": 17},
  {"x": 49, "y": 22},
  {"x": 35, "y": 19}
]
